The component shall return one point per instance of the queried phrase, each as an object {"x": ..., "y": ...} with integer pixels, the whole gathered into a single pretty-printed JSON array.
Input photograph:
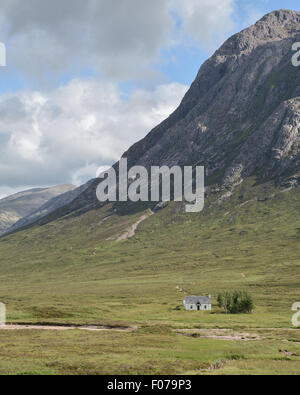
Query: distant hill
[
  {"x": 19, "y": 205},
  {"x": 51, "y": 205}
]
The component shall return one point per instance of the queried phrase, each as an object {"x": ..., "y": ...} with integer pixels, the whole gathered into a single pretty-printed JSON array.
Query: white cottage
[{"x": 198, "y": 303}]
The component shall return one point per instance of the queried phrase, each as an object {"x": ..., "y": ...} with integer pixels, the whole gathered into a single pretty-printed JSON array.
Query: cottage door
[{"x": 198, "y": 306}]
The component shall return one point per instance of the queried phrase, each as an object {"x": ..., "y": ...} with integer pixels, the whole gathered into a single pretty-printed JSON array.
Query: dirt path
[
  {"x": 130, "y": 232},
  {"x": 66, "y": 328},
  {"x": 228, "y": 334},
  {"x": 218, "y": 334}
]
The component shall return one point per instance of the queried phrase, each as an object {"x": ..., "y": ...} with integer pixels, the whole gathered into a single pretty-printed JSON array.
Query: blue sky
[
  {"x": 85, "y": 80},
  {"x": 187, "y": 58}
]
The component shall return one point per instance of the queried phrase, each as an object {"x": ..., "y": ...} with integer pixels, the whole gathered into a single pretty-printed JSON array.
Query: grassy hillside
[{"x": 73, "y": 271}]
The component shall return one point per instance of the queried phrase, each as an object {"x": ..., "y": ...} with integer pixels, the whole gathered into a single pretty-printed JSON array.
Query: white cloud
[
  {"x": 121, "y": 39},
  {"x": 66, "y": 134},
  {"x": 206, "y": 22}
]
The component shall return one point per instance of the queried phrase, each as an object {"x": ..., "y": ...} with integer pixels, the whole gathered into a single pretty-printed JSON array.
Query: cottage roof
[{"x": 198, "y": 300}]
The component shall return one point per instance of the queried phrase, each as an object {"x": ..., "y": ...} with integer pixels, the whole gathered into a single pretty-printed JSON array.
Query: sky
[{"x": 84, "y": 80}]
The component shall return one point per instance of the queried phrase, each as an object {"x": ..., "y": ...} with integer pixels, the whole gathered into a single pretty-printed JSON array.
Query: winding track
[
  {"x": 130, "y": 232},
  {"x": 65, "y": 328}
]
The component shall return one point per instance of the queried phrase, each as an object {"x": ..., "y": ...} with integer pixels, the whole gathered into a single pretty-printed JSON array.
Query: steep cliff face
[{"x": 240, "y": 117}]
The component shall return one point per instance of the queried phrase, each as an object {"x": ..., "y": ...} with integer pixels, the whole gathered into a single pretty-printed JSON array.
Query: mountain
[
  {"x": 19, "y": 205},
  {"x": 51, "y": 205},
  {"x": 96, "y": 265},
  {"x": 240, "y": 118}
]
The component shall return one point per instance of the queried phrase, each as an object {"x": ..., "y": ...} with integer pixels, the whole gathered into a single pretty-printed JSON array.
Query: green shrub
[{"x": 236, "y": 302}]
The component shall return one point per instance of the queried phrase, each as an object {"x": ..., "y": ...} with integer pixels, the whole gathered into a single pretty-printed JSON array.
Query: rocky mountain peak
[
  {"x": 277, "y": 25},
  {"x": 240, "y": 117}
]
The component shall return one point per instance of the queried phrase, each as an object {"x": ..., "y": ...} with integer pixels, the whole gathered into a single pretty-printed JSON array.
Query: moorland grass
[{"x": 72, "y": 271}]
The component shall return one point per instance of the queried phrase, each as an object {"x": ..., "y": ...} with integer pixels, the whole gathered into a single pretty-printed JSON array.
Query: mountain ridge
[
  {"x": 18, "y": 205},
  {"x": 215, "y": 83},
  {"x": 240, "y": 117},
  {"x": 48, "y": 207}
]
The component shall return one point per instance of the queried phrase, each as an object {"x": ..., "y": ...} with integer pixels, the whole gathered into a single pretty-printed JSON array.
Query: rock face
[
  {"x": 241, "y": 116},
  {"x": 15, "y": 207}
]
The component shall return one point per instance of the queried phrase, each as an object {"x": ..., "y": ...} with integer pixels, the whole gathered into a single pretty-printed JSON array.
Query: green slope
[
  {"x": 73, "y": 271},
  {"x": 252, "y": 245}
]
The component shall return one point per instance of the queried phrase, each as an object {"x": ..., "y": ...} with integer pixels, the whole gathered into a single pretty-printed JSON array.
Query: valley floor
[
  {"x": 149, "y": 350},
  {"x": 74, "y": 272}
]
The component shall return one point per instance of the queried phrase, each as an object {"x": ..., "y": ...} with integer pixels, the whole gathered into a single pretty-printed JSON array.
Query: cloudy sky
[{"x": 86, "y": 79}]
